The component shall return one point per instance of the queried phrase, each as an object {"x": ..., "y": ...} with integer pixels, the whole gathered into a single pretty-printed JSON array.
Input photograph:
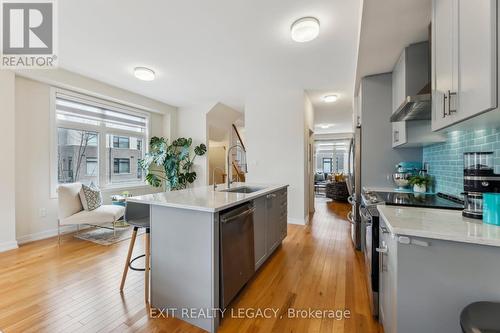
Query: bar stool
[
  {"x": 134, "y": 215},
  {"x": 480, "y": 317}
]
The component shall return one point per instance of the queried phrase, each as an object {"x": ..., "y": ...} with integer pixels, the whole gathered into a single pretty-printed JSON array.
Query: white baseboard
[
  {"x": 6, "y": 246},
  {"x": 46, "y": 234},
  {"x": 294, "y": 220}
]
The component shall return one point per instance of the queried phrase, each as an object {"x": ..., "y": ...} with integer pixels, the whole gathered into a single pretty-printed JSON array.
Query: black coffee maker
[{"x": 479, "y": 178}]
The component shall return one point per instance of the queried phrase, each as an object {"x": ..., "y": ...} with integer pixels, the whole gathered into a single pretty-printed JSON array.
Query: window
[
  {"x": 327, "y": 165},
  {"x": 121, "y": 142},
  {"x": 91, "y": 166},
  {"x": 97, "y": 141},
  {"x": 121, "y": 165},
  {"x": 74, "y": 149}
]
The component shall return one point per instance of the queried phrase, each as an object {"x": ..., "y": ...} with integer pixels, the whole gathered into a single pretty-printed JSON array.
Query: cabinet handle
[
  {"x": 270, "y": 196},
  {"x": 450, "y": 110},
  {"x": 444, "y": 106},
  {"x": 396, "y": 136},
  {"x": 381, "y": 249},
  {"x": 384, "y": 230}
]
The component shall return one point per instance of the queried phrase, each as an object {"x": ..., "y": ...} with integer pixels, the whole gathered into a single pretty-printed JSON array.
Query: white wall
[
  {"x": 308, "y": 152},
  {"x": 274, "y": 126},
  {"x": 32, "y": 132},
  {"x": 7, "y": 167},
  {"x": 192, "y": 123},
  {"x": 378, "y": 158}
]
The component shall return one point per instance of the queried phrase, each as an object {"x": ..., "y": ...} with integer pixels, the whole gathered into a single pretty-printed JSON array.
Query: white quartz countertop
[
  {"x": 205, "y": 198},
  {"x": 439, "y": 224}
]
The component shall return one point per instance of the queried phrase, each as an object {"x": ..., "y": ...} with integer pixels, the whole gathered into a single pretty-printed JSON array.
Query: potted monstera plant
[{"x": 170, "y": 165}]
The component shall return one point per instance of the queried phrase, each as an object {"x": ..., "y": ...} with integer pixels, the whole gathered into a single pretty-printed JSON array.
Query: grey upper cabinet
[
  {"x": 464, "y": 60},
  {"x": 398, "y": 134}
]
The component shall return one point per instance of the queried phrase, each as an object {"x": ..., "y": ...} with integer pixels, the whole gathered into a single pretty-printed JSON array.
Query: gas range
[{"x": 439, "y": 200}]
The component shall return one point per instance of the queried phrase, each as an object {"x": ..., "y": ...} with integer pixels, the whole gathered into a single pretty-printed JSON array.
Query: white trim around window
[{"x": 101, "y": 129}]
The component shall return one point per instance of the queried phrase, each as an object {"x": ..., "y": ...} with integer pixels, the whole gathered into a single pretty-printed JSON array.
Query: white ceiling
[
  {"x": 388, "y": 26},
  {"x": 205, "y": 51},
  {"x": 338, "y": 114}
]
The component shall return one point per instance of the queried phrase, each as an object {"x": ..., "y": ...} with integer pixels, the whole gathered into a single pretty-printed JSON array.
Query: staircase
[{"x": 238, "y": 173}]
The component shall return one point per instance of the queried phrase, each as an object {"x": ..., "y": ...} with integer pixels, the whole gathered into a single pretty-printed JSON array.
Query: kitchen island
[
  {"x": 433, "y": 263},
  {"x": 186, "y": 244}
]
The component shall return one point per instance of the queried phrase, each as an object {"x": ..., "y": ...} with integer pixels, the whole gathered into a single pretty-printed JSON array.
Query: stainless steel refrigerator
[{"x": 354, "y": 187}]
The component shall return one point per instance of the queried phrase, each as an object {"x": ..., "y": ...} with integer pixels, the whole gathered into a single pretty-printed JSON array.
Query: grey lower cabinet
[
  {"x": 425, "y": 283},
  {"x": 270, "y": 224}
]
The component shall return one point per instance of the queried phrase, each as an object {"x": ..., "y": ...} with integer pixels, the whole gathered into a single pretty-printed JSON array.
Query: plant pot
[{"x": 419, "y": 188}]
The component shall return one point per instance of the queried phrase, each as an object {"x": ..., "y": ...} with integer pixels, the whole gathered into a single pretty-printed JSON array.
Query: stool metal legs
[
  {"x": 128, "y": 263},
  {"x": 129, "y": 255},
  {"x": 146, "y": 271}
]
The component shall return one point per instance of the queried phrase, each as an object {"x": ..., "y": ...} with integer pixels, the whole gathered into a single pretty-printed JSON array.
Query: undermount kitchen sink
[{"x": 243, "y": 189}]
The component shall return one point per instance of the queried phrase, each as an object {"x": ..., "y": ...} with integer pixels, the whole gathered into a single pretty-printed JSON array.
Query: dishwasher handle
[{"x": 232, "y": 218}]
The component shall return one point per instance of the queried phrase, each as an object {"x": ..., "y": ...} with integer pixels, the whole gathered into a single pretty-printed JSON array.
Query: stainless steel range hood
[
  {"x": 411, "y": 84},
  {"x": 414, "y": 108}
]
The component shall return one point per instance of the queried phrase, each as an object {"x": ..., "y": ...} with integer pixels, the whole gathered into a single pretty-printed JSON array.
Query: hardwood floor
[{"x": 75, "y": 287}]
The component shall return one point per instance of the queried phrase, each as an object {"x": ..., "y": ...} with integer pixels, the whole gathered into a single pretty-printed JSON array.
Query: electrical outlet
[{"x": 43, "y": 212}]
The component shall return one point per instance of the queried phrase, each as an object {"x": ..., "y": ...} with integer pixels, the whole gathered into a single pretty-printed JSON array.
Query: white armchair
[{"x": 71, "y": 211}]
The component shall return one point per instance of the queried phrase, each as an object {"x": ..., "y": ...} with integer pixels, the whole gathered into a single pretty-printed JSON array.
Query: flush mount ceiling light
[
  {"x": 145, "y": 74},
  {"x": 305, "y": 29},
  {"x": 330, "y": 98}
]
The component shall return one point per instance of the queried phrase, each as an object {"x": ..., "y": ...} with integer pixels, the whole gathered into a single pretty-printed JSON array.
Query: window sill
[
  {"x": 116, "y": 188},
  {"x": 124, "y": 187}
]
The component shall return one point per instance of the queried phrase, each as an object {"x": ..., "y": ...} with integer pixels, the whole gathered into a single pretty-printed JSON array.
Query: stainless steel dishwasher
[{"x": 236, "y": 251}]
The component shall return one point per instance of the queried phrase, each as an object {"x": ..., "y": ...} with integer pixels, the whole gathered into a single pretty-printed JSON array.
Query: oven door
[{"x": 370, "y": 238}]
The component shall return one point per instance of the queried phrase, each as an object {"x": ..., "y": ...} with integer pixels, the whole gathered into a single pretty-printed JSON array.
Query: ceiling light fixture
[
  {"x": 305, "y": 29},
  {"x": 330, "y": 98},
  {"x": 145, "y": 74}
]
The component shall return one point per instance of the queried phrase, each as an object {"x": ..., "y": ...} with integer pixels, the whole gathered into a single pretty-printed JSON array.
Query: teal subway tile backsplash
[{"x": 446, "y": 159}]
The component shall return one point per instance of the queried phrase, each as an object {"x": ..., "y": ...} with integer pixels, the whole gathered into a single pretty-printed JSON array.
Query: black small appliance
[{"x": 479, "y": 178}]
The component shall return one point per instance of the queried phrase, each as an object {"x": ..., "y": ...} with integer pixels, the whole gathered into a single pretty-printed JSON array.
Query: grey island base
[{"x": 186, "y": 278}]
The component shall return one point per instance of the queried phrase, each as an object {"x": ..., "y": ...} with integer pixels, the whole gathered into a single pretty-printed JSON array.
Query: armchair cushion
[
  {"x": 69, "y": 199},
  {"x": 100, "y": 215}
]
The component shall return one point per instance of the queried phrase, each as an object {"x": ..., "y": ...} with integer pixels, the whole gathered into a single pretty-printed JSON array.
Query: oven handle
[
  {"x": 350, "y": 218},
  {"x": 381, "y": 251}
]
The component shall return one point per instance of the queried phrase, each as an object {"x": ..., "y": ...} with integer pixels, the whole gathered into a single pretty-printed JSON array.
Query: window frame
[
  {"x": 329, "y": 160},
  {"x": 102, "y": 130},
  {"x": 87, "y": 167},
  {"x": 119, "y": 160},
  {"x": 118, "y": 137}
]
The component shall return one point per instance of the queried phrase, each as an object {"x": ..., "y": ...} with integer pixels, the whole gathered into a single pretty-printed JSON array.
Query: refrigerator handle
[{"x": 349, "y": 157}]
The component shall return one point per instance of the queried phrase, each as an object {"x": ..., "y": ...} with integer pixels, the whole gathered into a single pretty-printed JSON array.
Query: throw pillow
[{"x": 92, "y": 198}]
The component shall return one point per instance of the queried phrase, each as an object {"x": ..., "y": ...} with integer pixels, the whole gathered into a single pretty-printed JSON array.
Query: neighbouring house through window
[
  {"x": 98, "y": 141},
  {"x": 121, "y": 142},
  {"x": 91, "y": 166},
  {"x": 121, "y": 165}
]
